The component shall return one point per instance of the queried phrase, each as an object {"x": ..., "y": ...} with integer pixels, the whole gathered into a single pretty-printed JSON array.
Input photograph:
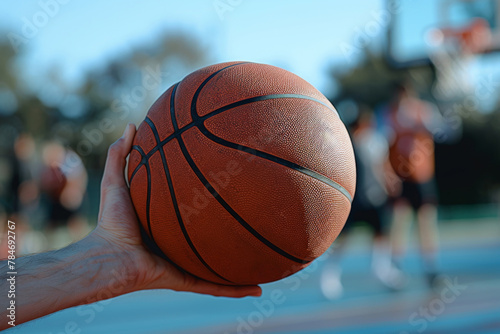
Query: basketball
[{"x": 242, "y": 173}]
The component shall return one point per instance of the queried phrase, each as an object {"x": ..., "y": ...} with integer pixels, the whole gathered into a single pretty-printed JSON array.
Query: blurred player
[
  {"x": 374, "y": 180},
  {"x": 410, "y": 122},
  {"x": 63, "y": 184}
]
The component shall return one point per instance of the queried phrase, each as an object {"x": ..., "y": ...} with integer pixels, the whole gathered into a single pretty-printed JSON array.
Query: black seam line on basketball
[
  {"x": 278, "y": 160},
  {"x": 263, "y": 98},
  {"x": 178, "y": 132},
  {"x": 148, "y": 201},
  {"x": 214, "y": 192},
  {"x": 172, "y": 191},
  {"x": 194, "y": 114},
  {"x": 142, "y": 163},
  {"x": 153, "y": 246},
  {"x": 226, "y": 108},
  {"x": 174, "y": 201},
  {"x": 148, "y": 191},
  {"x": 230, "y": 210}
]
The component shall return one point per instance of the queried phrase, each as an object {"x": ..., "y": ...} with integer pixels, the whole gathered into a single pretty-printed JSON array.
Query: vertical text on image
[{"x": 11, "y": 272}]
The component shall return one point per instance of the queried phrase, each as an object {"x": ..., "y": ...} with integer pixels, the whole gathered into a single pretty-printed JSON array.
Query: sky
[{"x": 305, "y": 37}]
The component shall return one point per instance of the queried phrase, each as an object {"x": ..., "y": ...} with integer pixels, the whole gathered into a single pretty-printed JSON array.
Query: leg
[
  {"x": 382, "y": 265},
  {"x": 427, "y": 228},
  {"x": 401, "y": 222},
  {"x": 381, "y": 250},
  {"x": 428, "y": 237},
  {"x": 330, "y": 283}
]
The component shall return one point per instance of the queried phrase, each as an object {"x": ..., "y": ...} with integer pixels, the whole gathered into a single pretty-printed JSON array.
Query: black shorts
[
  {"x": 418, "y": 194},
  {"x": 372, "y": 216},
  {"x": 59, "y": 215}
]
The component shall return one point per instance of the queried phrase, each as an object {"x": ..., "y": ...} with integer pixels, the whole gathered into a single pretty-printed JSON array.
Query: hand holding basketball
[{"x": 118, "y": 232}]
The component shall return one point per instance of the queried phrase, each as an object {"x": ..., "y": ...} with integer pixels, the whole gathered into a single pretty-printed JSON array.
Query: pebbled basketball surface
[{"x": 242, "y": 173}]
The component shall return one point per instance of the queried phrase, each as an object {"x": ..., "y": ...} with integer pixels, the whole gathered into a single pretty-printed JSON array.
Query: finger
[
  {"x": 229, "y": 291},
  {"x": 115, "y": 163},
  {"x": 117, "y": 153},
  {"x": 204, "y": 287}
]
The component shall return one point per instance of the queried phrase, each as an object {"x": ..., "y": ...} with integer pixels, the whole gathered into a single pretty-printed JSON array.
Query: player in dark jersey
[
  {"x": 375, "y": 180},
  {"x": 409, "y": 123}
]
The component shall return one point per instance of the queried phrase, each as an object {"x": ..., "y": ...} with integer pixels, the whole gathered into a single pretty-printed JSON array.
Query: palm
[
  {"x": 118, "y": 222},
  {"x": 118, "y": 218}
]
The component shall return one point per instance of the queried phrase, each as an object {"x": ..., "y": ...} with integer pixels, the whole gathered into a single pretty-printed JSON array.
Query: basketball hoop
[
  {"x": 452, "y": 51},
  {"x": 472, "y": 39}
]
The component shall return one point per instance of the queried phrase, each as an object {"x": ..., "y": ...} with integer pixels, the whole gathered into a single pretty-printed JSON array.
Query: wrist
[{"x": 112, "y": 269}]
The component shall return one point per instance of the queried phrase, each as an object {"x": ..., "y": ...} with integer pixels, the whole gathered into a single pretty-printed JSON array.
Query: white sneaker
[
  {"x": 330, "y": 284},
  {"x": 390, "y": 276}
]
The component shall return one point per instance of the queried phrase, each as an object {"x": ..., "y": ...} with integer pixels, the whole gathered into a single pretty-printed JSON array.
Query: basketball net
[{"x": 453, "y": 51}]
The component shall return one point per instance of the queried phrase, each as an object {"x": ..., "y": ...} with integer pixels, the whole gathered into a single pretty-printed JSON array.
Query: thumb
[{"x": 114, "y": 177}]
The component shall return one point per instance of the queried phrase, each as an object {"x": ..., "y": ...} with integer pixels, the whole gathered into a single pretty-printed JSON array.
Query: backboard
[{"x": 419, "y": 28}]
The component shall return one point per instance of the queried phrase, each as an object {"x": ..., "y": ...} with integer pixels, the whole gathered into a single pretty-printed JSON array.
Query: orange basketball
[{"x": 242, "y": 173}]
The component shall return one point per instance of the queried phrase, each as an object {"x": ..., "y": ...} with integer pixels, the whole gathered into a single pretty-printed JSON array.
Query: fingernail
[
  {"x": 256, "y": 293},
  {"x": 125, "y": 131}
]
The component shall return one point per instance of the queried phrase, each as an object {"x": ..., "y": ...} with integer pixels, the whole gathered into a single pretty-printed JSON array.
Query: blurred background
[{"x": 73, "y": 74}]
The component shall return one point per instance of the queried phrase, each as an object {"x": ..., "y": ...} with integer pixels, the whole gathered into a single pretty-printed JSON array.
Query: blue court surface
[{"x": 468, "y": 301}]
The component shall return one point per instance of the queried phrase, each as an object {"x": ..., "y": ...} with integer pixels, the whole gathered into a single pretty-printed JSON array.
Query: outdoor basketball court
[
  {"x": 469, "y": 304},
  {"x": 448, "y": 39}
]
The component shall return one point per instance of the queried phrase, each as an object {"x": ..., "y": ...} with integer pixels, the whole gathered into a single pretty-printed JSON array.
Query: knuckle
[
  {"x": 188, "y": 282},
  {"x": 115, "y": 148}
]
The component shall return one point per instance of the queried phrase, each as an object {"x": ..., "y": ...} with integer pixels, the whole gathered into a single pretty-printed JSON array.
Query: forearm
[{"x": 81, "y": 273}]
